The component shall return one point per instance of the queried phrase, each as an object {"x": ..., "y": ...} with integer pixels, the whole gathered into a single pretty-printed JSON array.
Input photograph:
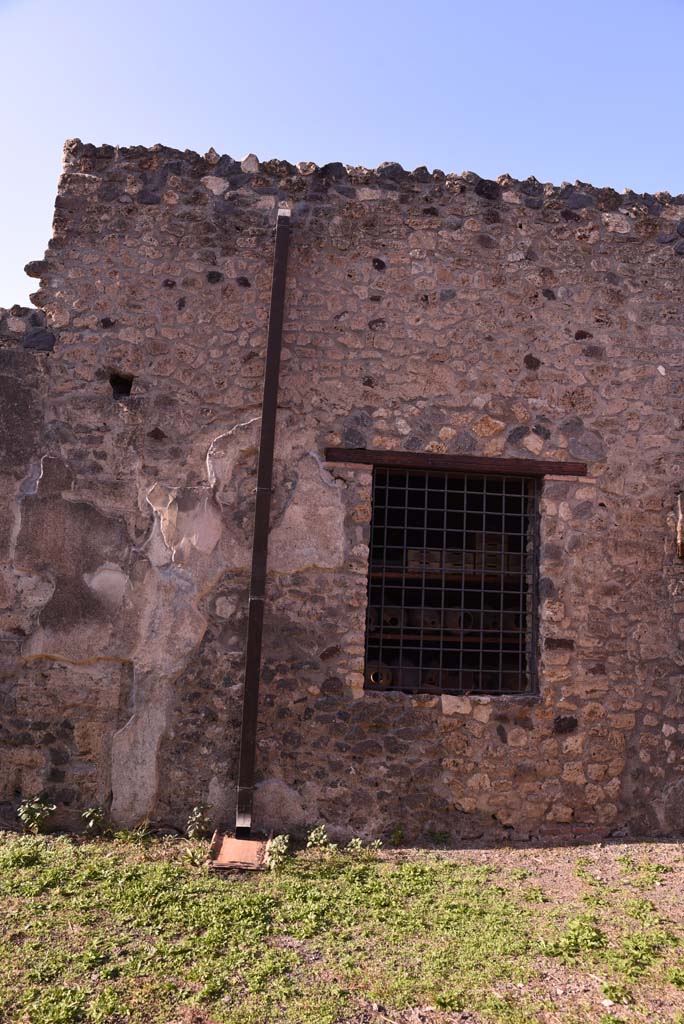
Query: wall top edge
[{"x": 389, "y": 176}]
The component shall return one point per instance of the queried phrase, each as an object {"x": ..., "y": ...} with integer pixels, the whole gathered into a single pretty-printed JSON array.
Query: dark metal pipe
[{"x": 262, "y": 512}]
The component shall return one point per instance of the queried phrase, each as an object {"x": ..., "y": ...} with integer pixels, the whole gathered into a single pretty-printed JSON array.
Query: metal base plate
[{"x": 230, "y": 854}]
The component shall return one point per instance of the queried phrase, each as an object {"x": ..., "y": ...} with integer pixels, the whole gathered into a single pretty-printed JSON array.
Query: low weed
[
  {"x": 534, "y": 894},
  {"x": 57, "y": 1005},
  {"x": 644, "y": 874},
  {"x": 520, "y": 874},
  {"x": 196, "y": 853},
  {"x": 95, "y": 820},
  {"x": 438, "y": 838},
  {"x": 132, "y": 931},
  {"x": 675, "y": 976},
  {"x": 277, "y": 852},
  {"x": 581, "y": 935},
  {"x": 318, "y": 839},
  {"x": 617, "y": 993},
  {"x": 640, "y": 950},
  {"x": 35, "y": 813},
  {"x": 397, "y": 836},
  {"x": 595, "y": 900},
  {"x": 198, "y": 825},
  {"x": 141, "y": 834},
  {"x": 356, "y": 849},
  {"x": 642, "y": 910}
]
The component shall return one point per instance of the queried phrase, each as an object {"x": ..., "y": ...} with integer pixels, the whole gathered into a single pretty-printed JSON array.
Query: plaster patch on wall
[
  {"x": 134, "y": 760},
  {"x": 189, "y": 520},
  {"x": 311, "y": 531},
  {"x": 225, "y": 450},
  {"x": 280, "y": 805},
  {"x": 109, "y": 583}
]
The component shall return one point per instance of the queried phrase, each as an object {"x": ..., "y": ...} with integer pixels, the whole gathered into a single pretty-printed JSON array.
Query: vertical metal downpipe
[{"x": 262, "y": 511}]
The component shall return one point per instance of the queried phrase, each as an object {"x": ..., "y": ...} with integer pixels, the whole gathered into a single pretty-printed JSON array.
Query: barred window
[{"x": 452, "y": 582}]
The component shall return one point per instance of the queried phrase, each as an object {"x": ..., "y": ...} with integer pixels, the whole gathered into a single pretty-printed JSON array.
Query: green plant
[
  {"x": 618, "y": 993},
  {"x": 199, "y": 822},
  {"x": 452, "y": 1002},
  {"x": 534, "y": 894},
  {"x": 642, "y": 910},
  {"x": 35, "y": 813},
  {"x": 23, "y": 852},
  {"x": 195, "y": 854},
  {"x": 437, "y": 838},
  {"x": 95, "y": 819},
  {"x": 124, "y": 932},
  {"x": 58, "y": 1006},
  {"x": 594, "y": 900},
  {"x": 317, "y": 839},
  {"x": 356, "y": 848},
  {"x": 277, "y": 851},
  {"x": 397, "y": 836},
  {"x": 140, "y": 834},
  {"x": 581, "y": 936},
  {"x": 586, "y": 876},
  {"x": 675, "y": 975},
  {"x": 638, "y": 951},
  {"x": 644, "y": 875},
  {"x": 105, "y": 1007}
]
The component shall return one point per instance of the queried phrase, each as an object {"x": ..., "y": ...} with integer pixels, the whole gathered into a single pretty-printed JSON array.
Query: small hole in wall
[{"x": 121, "y": 385}]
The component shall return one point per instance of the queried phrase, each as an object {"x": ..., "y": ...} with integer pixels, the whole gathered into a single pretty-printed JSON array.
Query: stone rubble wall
[{"x": 425, "y": 312}]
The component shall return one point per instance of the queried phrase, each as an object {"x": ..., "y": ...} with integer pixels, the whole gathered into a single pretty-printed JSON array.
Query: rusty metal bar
[
  {"x": 455, "y": 463},
  {"x": 262, "y": 512}
]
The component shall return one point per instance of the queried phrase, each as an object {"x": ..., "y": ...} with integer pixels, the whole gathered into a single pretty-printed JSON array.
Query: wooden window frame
[{"x": 466, "y": 466}]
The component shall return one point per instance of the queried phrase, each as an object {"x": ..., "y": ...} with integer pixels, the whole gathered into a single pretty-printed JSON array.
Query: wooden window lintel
[{"x": 455, "y": 463}]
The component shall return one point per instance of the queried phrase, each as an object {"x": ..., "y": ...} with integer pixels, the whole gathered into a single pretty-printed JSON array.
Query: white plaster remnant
[
  {"x": 188, "y": 520},
  {"x": 221, "y": 799},
  {"x": 279, "y": 804},
  {"x": 225, "y": 607},
  {"x": 28, "y": 486},
  {"x": 170, "y": 628},
  {"x": 134, "y": 764},
  {"x": 311, "y": 531},
  {"x": 108, "y": 583},
  {"x": 224, "y": 451},
  {"x": 326, "y": 476}
]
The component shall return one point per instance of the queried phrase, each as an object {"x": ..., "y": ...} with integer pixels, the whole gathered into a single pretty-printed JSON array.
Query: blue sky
[{"x": 588, "y": 90}]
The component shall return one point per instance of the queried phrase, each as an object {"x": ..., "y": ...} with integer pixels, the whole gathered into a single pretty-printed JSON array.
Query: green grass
[{"x": 130, "y": 929}]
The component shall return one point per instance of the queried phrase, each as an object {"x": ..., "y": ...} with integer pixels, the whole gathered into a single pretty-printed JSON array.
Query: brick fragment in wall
[{"x": 425, "y": 311}]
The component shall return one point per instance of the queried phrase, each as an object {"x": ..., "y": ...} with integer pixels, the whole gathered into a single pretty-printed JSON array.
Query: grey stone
[
  {"x": 40, "y": 339},
  {"x": 587, "y": 445}
]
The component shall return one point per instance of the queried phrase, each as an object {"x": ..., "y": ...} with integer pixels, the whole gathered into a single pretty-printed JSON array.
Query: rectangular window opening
[{"x": 452, "y": 596}]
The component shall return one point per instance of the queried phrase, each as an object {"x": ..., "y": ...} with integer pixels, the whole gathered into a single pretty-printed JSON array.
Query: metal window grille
[{"x": 452, "y": 583}]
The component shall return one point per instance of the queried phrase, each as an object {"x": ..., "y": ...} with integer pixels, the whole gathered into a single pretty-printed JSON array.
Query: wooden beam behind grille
[{"x": 455, "y": 463}]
